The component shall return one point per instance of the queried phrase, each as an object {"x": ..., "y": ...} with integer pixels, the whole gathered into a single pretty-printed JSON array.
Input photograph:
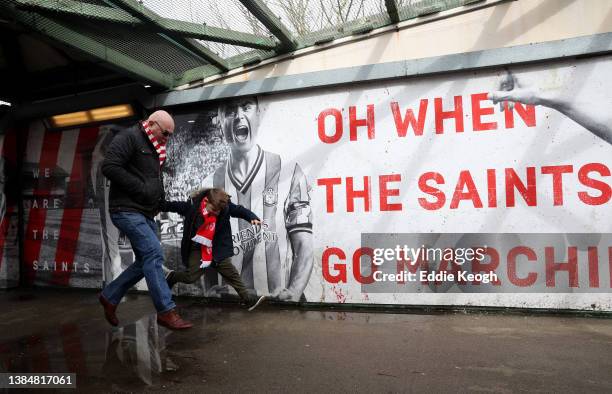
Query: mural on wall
[
  {"x": 278, "y": 258},
  {"x": 61, "y": 244},
  {"x": 343, "y": 176}
]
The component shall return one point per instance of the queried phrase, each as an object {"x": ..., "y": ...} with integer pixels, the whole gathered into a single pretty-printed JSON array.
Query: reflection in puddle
[
  {"x": 137, "y": 350},
  {"x": 121, "y": 358}
]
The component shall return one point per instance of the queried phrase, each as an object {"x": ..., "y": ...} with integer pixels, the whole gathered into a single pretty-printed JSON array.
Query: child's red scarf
[{"x": 205, "y": 234}]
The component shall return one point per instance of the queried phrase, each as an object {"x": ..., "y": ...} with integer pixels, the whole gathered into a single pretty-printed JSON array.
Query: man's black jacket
[
  {"x": 132, "y": 165},
  {"x": 222, "y": 245}
]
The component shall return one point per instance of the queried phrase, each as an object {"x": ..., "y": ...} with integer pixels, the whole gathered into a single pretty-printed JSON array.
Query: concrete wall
[{"x": 492, "y": 24}]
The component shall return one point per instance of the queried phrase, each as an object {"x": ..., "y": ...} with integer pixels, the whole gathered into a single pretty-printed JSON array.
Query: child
[{"x": 207, "y": 239}]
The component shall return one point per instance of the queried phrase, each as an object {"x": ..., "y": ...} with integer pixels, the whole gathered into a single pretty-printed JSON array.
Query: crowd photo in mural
[{"x": 502, "y": 172}]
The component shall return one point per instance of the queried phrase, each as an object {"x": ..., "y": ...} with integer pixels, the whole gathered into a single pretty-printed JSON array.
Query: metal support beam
[
  {"x": 392, "y": 10},
  {"x": 141, "y": 12},
  {"x": 271, "y": 22},
  {"x": 114, "y": 15},
  {"x": 77, "y": 8},
  {"x": 196, "y": 74},
  {"x": 70, "y": 38},
  {"x": 216, "y": 34}
]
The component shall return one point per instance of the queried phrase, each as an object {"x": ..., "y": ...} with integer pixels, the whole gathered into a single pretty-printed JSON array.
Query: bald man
[{"x": 133, "y": 164}]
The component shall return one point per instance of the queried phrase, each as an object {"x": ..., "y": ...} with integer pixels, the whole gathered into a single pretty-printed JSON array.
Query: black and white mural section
[{"x": 224, "y": 146}]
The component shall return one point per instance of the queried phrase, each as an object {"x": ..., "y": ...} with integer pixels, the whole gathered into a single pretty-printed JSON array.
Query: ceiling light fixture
[{"x": 92, "y": 115}]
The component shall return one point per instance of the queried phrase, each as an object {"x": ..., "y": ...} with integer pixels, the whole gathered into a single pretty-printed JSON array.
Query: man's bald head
[{"x": 160, "y": 122}]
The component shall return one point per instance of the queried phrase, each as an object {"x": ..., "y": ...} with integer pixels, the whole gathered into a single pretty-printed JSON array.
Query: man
[
  {"x": 255, "y": 177},
  {"x": 117, "y": 252},
  {"x": 133, "y": 165}
]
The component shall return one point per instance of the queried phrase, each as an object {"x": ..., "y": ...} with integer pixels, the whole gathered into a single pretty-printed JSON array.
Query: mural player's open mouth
[{"x": 241, "y": 133}]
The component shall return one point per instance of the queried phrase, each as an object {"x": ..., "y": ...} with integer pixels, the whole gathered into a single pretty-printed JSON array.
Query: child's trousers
[{"x": 224, "y": 267}]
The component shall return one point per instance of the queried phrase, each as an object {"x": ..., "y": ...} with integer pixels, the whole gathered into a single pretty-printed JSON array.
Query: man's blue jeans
[{"x": 142, "y": 233}]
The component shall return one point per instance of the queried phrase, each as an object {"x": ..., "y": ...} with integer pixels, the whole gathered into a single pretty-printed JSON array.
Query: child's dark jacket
[{"x": 222, "y": 245}]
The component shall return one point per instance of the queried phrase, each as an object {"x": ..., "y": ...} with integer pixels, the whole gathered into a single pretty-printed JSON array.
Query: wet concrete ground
[{"x": 292, "y": 350}]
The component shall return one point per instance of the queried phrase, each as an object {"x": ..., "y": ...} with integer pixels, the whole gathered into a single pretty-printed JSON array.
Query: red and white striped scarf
[
  {"x": 159, "y": 147},
  {"x": 205, "y": 234}
]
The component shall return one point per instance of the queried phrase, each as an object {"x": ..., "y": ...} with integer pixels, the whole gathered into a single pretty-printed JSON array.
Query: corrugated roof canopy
[{"x": 173, "y": 42}]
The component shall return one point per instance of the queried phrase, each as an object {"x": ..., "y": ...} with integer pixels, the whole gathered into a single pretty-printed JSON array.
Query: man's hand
[
  {"x": 511, "y": 91},
  {"x": 562, "y": 99},
  {"x": 255, "y": 222}
]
